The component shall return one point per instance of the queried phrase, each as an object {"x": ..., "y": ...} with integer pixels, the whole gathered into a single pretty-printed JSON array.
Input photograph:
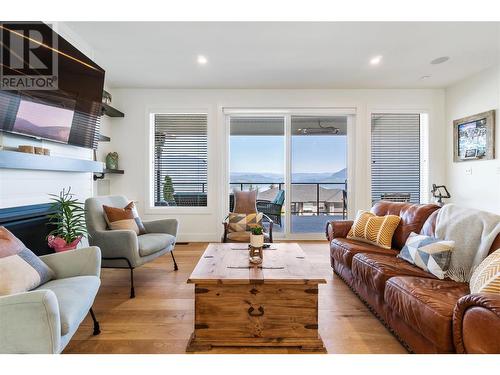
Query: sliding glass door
[
  {"x": 318, "y": 172},
  {"x": 298, "y": 165},
  {"x": 257, "y": 162}
]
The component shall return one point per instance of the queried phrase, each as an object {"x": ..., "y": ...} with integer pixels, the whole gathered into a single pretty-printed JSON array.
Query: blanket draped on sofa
[{"x": 473, "y": 232}]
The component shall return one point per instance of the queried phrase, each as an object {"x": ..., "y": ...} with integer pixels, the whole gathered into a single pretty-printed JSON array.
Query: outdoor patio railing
[
  {"x": 306, "y": 197},
  {"x": 316, "y": 194}
]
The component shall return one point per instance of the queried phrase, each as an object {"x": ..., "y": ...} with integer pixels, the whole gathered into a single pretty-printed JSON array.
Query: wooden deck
[{"x": 160, "y": 318}]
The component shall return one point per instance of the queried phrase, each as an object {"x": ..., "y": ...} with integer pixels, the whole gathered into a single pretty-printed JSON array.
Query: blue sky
[{"x": 310, "y": 154}]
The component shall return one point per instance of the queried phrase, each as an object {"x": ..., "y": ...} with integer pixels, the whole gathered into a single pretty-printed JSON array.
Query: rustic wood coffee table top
[{"x": 227, "y": 263}]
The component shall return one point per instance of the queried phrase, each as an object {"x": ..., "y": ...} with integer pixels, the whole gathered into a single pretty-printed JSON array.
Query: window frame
[
  {"x": 150, "y": 208},
  {"x": 426, "y": 118}
]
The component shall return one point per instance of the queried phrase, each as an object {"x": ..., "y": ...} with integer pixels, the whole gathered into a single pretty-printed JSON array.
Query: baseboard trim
[{"x": 198, "y": 237}]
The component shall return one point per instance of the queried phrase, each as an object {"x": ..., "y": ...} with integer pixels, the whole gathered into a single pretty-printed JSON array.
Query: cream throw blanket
[{"x": 473, "y": 232}]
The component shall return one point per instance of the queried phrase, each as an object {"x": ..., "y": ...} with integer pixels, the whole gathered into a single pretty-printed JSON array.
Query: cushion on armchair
[
  {"x": 20, "y": 269},
  {"x": 75, "y": 296},
  {"x": 123, "y": 218},
  {"x": 244, "y": 222},
  {"x": 151, "y": 243}
]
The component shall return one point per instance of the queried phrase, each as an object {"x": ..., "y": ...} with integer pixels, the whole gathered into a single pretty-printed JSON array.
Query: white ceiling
[{"x": 289, "y": 54}]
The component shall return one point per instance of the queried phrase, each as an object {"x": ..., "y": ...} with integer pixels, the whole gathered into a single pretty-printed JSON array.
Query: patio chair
[
  {"x": 344, "y": 204},
  {"x": 272, "y": 208},
  {"x": 395, "y": 197},
  {"x": 245, "y": 202}
]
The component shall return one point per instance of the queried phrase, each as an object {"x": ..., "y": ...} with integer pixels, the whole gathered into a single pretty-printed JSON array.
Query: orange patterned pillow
[
  {"x": 376, "y": 230},
  {"x": 124, "y": 218},
  {"x": 486, "y": 277}
]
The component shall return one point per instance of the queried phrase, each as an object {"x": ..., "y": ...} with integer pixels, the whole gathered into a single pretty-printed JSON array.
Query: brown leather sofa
[{"x": 426, "y": 314}]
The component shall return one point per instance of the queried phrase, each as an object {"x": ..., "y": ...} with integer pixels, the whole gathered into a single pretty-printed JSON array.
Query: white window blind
[
  {"x": 395, "y": 153},
  {"x": 180, "y": 159}
]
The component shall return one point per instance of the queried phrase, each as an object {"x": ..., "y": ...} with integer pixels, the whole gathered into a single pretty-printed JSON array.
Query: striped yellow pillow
[
  {"x": 486, "y": 277},
  {"x": 377, "y": 230}
]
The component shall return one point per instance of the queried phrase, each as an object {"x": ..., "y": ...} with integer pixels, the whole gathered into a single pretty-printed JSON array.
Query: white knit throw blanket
[{"x": 473, "y": 232}]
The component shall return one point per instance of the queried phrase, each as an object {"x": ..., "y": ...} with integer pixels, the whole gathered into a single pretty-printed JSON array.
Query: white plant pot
[{"x": 256, "y": 240}]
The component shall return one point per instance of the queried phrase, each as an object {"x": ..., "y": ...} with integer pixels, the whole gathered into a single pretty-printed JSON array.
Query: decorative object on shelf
[
  {"x": 106, "y": 97},
  {"x": 112, "y": 160},
  {"x": 69, "y": 220},
  {"x": 46, "y": 151},
  {"x": 474, "y": 137},
  {"x": 28, "y": 149},
  {"x": 256, "y": 244},
  {"x": 439, "y": 192},
  {"x": 39, "y": 150}
]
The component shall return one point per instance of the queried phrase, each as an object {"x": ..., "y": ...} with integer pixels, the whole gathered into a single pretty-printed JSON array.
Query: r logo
[{"x": 28, "y": 56}]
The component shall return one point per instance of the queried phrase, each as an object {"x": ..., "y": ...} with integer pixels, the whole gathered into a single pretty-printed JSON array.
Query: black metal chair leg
[
  {"x": 132, "y": 290},
  {"x": 175, "y": 263},
  {"x": 97, "y": 329}
]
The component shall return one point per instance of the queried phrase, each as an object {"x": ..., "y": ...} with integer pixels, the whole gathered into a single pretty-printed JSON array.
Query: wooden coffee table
[{"x": 237, "y": 304}]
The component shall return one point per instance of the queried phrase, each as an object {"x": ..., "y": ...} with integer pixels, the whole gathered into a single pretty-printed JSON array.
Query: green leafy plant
[
  {"x": 68, "y": 218},
  {"x": 168, "y": 189},
  {"x": 257, "y": 231}
]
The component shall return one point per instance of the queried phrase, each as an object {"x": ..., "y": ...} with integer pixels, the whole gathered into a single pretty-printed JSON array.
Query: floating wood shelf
[
  {"x": 104, "y": 138},
  {"x": 107, "y": 171},
  {"x": 21, "y": 160},
  {"x": 110, "y": 111},
  {"x": 116, "y": 171}
]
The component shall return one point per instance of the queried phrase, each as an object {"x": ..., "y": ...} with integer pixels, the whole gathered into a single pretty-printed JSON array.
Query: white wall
[
  {"x": 481, "y": 189},
  {"x": 129, "y": 138}
]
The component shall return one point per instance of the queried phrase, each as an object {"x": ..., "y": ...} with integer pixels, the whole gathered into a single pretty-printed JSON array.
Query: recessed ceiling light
[
  {"x": 376, "y": 60},
  {"x": 440, "y": 60},
  {"x": 202, "y": 60}
]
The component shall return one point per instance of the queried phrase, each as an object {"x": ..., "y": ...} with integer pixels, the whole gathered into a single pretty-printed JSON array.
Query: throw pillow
[
  {"x": 20, "y": 269},
  {"x": 486, "y": 277},
  {"x": 124, "y": 218},
  {"x": 244, "y": 222},
  {"x": 428, "y": 253},
  {"x": 377, "y": 230}
]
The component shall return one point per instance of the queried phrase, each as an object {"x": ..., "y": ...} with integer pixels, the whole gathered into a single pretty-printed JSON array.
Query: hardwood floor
[{"x": 160, "y": 318}]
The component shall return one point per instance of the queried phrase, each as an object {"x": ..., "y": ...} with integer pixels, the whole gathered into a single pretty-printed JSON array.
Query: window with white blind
[
  {"x": 180, "y": 159},
  {"x": 395, "y": 154}
]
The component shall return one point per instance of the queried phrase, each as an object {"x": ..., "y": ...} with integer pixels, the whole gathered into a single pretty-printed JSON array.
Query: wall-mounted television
[{"x": 71, "y": 113}]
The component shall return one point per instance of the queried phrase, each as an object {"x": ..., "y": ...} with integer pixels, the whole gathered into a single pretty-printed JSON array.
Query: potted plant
[
  {"x": 257, "y": 237},
  {"x": 69, "y": 220},
  {"x": 168, "y": 191}
]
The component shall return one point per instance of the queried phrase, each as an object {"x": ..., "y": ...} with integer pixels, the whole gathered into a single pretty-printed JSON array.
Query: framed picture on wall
[{"x": 474, "y": 137}]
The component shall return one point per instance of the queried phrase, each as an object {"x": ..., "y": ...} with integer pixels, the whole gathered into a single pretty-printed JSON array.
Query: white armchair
[
  {"x": 124, "y": 248},
  {"x": 44, "y": 320}
]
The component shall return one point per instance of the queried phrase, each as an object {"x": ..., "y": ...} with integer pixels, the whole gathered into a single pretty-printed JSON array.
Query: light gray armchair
[
  {"x": 123, "y": 248},
  {"x": 44, "y": 320}
]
